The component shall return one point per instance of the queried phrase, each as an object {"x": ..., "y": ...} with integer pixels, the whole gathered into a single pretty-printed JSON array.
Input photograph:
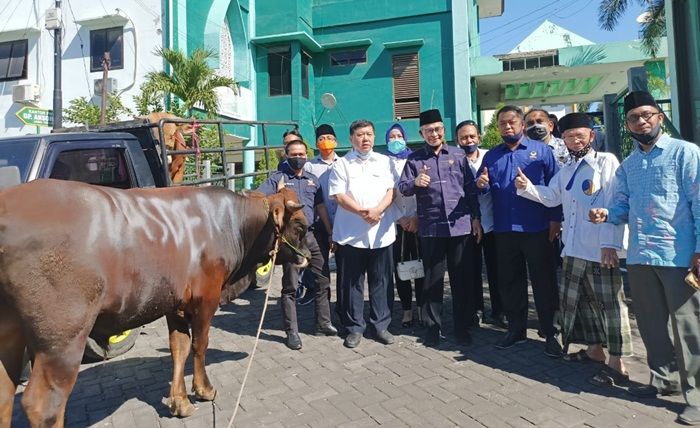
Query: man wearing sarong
[{"x": 592, "y": 307}]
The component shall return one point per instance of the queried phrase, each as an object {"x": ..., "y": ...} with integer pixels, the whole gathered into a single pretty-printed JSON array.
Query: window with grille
[
  {"x": 13, "y": 60},
  {"x": 279, "y": 69},
  {"x": 107, "y": 40},
  {"x": 406, "y": 85}
]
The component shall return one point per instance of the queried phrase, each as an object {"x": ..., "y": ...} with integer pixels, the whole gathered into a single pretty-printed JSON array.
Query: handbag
[{"x": 409, "y": 269}]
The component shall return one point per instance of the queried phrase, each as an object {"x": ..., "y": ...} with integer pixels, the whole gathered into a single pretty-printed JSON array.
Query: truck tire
[{"x": 99, "y": 350}]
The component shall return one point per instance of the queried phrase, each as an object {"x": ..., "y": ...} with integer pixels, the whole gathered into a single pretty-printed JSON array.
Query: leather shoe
[
  {"x": 432, "y": 337},
  {"x": 511, "y": 339},
  {"x": 552, "y": 347},
  {"x": 293, "y": 340},
  {"x": 464, "y": 338},
  {"x": 326, "y": 330},
  {"x": 352, "y": 340},
  {"x": 384, "y": 337},
  {"x": 650, "y": 391},
  {"x": 690, "y": 415}
]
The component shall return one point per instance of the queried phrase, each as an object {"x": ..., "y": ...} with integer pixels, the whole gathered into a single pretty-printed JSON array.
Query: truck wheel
[{"x": 99, "y": 349}]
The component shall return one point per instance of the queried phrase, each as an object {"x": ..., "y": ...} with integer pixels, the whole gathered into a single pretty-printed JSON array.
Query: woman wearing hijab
[{"x": 406, "y": 223}]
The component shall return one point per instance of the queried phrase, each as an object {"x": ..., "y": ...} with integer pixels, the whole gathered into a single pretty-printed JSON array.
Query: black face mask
[
  {"x": 296, "y": 163},
  {"x": 537, "y": 132},
  {"x": 647, "y": 139},
  {"x": 578, "y": 154}
]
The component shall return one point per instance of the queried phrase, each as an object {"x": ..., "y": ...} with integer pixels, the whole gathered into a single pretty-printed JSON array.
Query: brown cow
[{"x": 76, "y": 258}]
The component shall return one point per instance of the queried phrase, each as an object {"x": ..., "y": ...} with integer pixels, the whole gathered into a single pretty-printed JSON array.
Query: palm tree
[
  {"x": 191, "y": 82},
  {"x": 653, "y": 27}
]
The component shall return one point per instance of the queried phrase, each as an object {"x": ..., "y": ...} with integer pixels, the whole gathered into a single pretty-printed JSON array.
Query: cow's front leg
[
  {"x": 201, "y": 386},
  {"x": 11, "y": 350},
  {"x": 180, "y": 343}
]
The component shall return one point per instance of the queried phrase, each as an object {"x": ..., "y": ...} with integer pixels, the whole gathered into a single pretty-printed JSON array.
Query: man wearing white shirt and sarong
[
  {"x": 362, "y": 183},
  {"x": 592, "y": 307}
]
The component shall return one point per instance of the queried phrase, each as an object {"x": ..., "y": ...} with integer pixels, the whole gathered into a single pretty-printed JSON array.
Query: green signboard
[{"x": 33, "y": 116}]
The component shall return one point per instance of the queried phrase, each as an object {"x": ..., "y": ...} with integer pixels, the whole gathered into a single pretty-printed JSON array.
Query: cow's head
[{"x": 291, "y": 226}]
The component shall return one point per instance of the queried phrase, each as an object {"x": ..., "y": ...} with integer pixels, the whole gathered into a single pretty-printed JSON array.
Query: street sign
[{"x": 33, "y": 116}]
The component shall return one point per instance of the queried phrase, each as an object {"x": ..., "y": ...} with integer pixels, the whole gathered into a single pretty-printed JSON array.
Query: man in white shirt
[
  {"x": 362, "y": 182},
  {"x": 592, "y": 307}
]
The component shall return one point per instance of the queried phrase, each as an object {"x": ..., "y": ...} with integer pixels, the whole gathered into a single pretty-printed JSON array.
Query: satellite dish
[
  {"x": 644, "y": 18},
  {"x": 328, "y": 101}
]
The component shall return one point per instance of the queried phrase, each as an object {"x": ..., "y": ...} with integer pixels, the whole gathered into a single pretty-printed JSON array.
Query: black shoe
[
  {"x": 511, "y": 339},
  {"x": 499, "y": 320},
  {"x": 464, "y": 339},
  {"x": 650, "y": 391},
  {"x": 326, "y": 330},
  {"x": 384, "y": 337},
  {"x": 690, "y": 415},
  {"x": 293, "y": 340},
  {"x": 553, "y": 347},
  {"x": 352, "y": 340},
  {"x": 432, "y": 337}
]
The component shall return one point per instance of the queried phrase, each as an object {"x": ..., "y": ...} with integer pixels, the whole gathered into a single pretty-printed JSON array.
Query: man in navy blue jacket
[{"x": 524, "y": 229}]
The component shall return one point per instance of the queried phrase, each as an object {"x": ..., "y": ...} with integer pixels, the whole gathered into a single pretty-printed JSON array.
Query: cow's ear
[{"x": 277, "y": 212}]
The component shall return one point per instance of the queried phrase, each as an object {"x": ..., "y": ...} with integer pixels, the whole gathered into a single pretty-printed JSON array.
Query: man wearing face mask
[
  {"x": 363, "y": 185},
  {"x": 524, "y": 229},
  {"x": 308, "y": 190},
  {"x": 658, "y": 195},
  {"x": 468, "y": 139},
  {"x": 593, "y": 310},
  {"x": 538, "y": 126},
  {"x": 448, "y": 219},
  {"x": 320, "y": 166}
]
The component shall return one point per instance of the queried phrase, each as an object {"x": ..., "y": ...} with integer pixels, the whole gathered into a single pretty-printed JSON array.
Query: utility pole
[
  {"x": 57, "y": 57},
  {"x": 106, "y": 61}
]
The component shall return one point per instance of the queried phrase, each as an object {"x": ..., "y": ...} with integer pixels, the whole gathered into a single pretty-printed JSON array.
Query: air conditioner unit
[
  {"x": 26, "y": 93},
  {"x": 111, "y": 85}
]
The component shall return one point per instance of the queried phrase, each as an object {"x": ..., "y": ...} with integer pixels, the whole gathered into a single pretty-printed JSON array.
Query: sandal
[
  {"x": 609, "y": 377},
  {"x": 577, "y": 357}
]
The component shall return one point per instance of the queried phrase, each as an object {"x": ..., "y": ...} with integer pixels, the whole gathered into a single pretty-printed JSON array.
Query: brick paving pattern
[{"x": 327, "y": 385}]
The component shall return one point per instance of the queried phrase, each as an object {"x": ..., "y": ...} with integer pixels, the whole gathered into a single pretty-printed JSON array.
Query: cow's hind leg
[
  {"x": 12, "y": 345},
  {"x": 53, "y": 376},
  {"x": 201, "y": 386},
  {"x": 180, "y": 343}
]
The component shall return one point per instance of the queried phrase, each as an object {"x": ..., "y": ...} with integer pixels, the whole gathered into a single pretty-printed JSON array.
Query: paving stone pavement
[{"x": 327, "y": 385}]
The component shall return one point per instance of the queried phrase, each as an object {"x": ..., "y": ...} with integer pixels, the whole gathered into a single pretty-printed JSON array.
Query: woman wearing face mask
[{"x": 406, "y": 224}]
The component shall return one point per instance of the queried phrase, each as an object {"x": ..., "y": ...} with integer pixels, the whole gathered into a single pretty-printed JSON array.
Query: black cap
[
  {"x": 430, "y": 116},
  {"x": 639, "y": 98},
  {"x": 325, "y": 129},
  {"x": 575, "y": 120}
]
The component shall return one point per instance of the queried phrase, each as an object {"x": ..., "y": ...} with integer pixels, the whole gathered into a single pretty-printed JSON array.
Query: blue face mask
[
  {"x": 471, "y": 148},
  {"x": 512, "y": 139},
  {"x": 363, "y": 156},
  {"x": 396, "y": 146}
]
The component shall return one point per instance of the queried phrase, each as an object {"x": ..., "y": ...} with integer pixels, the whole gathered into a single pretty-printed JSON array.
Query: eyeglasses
[
  {"x": 576, "y": 137},
  {"x": 634, "y": 118},
  {"x": 435, "y": 130}
]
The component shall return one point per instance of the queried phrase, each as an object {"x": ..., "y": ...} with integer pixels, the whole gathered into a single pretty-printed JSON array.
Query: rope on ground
[{"x": 257, "y": 337}]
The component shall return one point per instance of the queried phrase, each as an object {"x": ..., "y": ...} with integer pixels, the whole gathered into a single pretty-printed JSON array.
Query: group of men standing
[{"x": 511, "y": 202}]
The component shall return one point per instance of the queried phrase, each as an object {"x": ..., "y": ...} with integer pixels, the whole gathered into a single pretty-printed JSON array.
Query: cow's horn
[
  {"x": 293, "y": 206},
  {"x": 280, "y": 184}
]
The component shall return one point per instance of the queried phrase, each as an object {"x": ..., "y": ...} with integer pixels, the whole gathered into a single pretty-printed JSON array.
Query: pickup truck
[{"x": 125, "y": 155}]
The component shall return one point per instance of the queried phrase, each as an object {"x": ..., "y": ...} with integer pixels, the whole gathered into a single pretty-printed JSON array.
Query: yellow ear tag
[{"x": 265, "y": 269}]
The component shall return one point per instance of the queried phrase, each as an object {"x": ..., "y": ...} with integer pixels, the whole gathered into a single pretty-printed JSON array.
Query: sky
[{"x": 520, "y": 17}]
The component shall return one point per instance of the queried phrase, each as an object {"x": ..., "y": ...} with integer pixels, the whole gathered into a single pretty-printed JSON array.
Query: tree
[
  {"x": 492, "y": 136},
  {"x": 84, "y": 112},
  {"x": 192, "y": 81},
  {"x": 653, "y": 27}
]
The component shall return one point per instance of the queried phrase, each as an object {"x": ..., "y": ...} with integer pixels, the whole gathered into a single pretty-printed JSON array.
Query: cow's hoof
[
  {"x": 205, "y": 394},
  {"x": 181, "y": 407}
]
